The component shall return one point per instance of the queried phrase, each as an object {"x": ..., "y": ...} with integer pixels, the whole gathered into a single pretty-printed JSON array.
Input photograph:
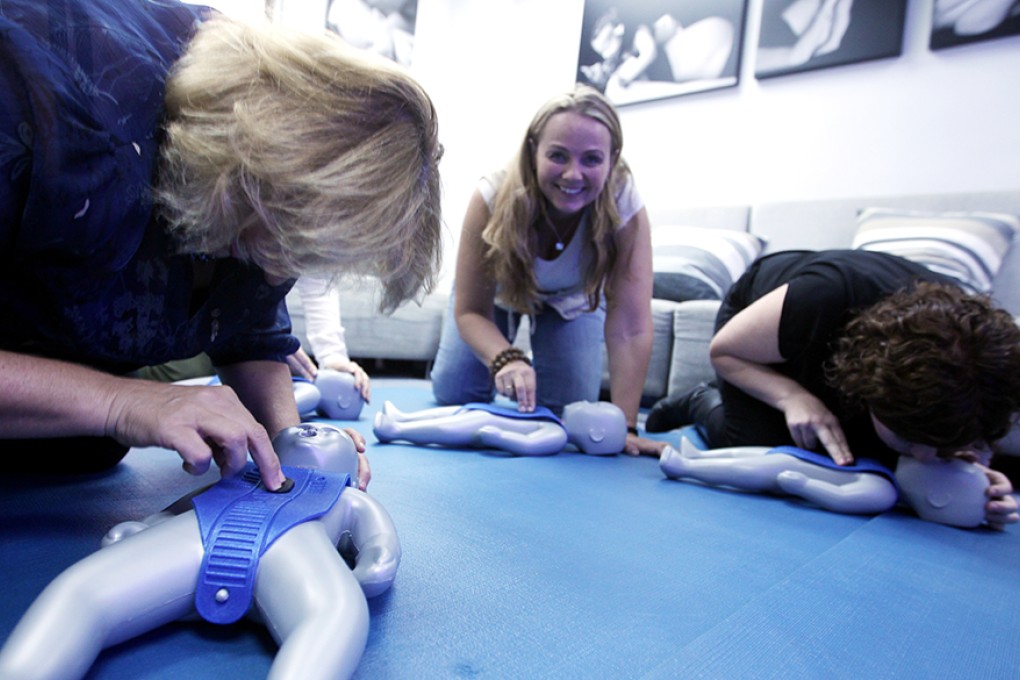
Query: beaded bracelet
[{"x": 510, "y": 354}]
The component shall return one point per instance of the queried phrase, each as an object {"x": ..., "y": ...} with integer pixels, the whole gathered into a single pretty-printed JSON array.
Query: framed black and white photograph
[
  {"x": 961, "y": 22},
  {"x": 385, "y": 27},
  {"x": 804, "y": 35},
  {"x": 640, "y": 50}
]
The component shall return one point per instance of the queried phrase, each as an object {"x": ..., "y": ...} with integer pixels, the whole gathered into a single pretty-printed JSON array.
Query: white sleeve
[
  {"x": 321, "y": 302},
  {"x": 629, "y": 201}
]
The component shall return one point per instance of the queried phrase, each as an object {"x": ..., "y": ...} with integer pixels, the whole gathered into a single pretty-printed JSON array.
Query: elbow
[
  {"x": 720, "y": 358},
  {"x": 715, "y": 351}
]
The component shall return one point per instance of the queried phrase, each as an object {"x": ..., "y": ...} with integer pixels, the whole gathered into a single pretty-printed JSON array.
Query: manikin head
[
  {"x": 339, "y": 398},
  {"x": 597, "y": 428},
  {"x": 306, "y": 395},
  {"x": 944, "y": 491},
  {"x": 318, "y": 446}
]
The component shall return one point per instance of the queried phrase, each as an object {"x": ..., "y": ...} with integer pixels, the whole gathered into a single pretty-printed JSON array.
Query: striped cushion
[
  {"x": 969, "y": 246},
  {"x": 698, "y": 263}
]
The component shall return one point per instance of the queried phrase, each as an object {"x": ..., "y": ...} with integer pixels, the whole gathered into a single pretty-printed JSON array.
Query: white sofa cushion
[
  {"x": 699, "y": 263},
  {"x": 693, "y": 324},
  {"x": 968, "y": 246}
]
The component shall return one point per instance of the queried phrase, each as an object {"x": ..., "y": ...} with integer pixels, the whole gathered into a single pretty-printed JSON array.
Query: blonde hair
[
  {"x": 302, "y": 155},
  {"x": 510, "y": 236}
]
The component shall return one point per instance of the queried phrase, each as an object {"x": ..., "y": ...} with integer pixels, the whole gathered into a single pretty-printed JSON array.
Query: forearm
[
  {"x": 481, "y": 334},
  {"x": 266, "y": 390},
  {"x": 628, "y": 366},
  {"x": 48, "y": 398},
  {"x": 629, "y": 328},
  {"x": 758, "y": 380}
]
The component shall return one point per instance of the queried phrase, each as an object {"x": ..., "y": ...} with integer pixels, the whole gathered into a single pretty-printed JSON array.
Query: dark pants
[
  {"x": 62, "y": 455},
  {"x": 741, "y": 420}
]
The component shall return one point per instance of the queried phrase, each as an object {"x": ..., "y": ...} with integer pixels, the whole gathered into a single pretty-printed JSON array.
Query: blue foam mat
[{"x": 578, "y": 567}]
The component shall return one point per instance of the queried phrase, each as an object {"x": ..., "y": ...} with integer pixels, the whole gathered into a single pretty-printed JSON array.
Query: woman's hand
[
  {"x": 203, "y": 424},
  {"x": 811, "y": 423},
  {"x": 362, "y": 383},
  {"x": 640, "y": 446},
  {"x": 301, "y": 365},
  {"x": 516, "y": 381},
  {"x": 1001, "y": 508}
]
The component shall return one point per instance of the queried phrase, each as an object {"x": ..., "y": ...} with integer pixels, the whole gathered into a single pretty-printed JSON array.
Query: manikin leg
[{"x": 312, "y": 605}]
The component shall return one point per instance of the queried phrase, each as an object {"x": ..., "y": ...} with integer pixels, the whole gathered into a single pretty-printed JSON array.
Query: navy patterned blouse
[{"x": 87, "y": 274}]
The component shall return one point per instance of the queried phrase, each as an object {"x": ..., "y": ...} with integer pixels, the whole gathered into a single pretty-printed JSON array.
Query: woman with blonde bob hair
[
  {"x": 175, "y": 172},
  {"x": 292, "y": 149},
  {"x": 561, "y": 235}
]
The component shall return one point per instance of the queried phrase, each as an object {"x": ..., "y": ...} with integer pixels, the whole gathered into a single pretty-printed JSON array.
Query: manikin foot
[
  {"x": 390, "y": 409},
  {"x": 672, "y": 463},
  {"x": 384, "y": 427}
]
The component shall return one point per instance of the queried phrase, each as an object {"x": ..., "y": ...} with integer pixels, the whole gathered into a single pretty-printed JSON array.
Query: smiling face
[{"x": 573, "y": 159}]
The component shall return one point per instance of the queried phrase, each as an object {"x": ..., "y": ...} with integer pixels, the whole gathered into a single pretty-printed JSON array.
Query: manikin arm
[
  {"x": 374, "y": 537},
  {"x": 863, "y": 493}
]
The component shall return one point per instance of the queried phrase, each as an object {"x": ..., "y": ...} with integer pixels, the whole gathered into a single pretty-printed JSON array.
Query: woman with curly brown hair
[
  {"x": 857, "y": 353},
  {"x": 561, "y": 236}
]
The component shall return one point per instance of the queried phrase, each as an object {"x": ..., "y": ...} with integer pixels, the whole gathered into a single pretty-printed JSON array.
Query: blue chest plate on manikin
[{"x": 239, "y": 519}]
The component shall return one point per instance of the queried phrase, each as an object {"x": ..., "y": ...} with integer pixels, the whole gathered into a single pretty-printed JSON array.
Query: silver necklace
[{"x": 559, "y": 239}]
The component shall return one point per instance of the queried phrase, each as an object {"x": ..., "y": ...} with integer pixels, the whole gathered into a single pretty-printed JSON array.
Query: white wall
[
  {"x": 923, "y": 122},
  {"x": 488, "y": 65}
]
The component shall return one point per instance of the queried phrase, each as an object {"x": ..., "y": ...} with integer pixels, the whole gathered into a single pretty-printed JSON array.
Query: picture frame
[
  {"x": 386, "y": 28},
  {"x": 961, "y": 23},
  {"x": 641, "y": 50},
  {"x": 806, "y": 35}
]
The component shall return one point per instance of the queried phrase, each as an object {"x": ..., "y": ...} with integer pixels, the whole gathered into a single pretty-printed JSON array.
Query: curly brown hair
[{"x": 934, "y": 364}]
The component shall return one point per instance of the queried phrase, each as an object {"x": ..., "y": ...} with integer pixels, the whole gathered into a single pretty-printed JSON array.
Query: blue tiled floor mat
[{"x": 579, "y": 567}]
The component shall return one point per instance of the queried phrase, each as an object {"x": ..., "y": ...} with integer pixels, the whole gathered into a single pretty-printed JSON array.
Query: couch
[
  {"x": 706, "y": 245},
  {"x": 817, "y": 225}
]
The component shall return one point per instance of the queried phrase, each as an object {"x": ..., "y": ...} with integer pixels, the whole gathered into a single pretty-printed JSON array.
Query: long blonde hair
[
  {"x": 302, "y": 155},
  {"x": 512, "y": 241}
]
